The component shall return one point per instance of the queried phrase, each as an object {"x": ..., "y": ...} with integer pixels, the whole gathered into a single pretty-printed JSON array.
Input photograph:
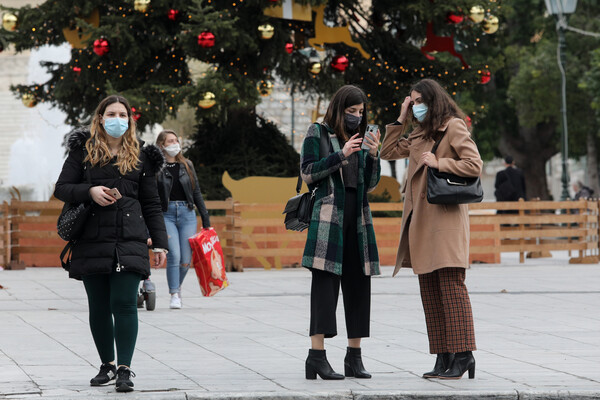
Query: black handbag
[
  {"x": 73, "y": 216},
  {"x": 446, "y": 188},
  {"x": 298, "y": 209}
]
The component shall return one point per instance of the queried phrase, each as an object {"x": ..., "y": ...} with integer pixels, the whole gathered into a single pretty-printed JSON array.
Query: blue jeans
[{"x": 181, "y": 225}]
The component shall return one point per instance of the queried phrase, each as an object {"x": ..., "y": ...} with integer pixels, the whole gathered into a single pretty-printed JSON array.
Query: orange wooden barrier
[{"x": 253, "y": 235}]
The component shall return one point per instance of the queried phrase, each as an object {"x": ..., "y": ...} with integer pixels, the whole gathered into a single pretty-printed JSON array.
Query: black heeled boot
[
  {"x": 442, "y": 363},
  {"x": 316, "y": 363},
  {"x": 463, "y": 362},
  {"x": 353, "y": 366}
]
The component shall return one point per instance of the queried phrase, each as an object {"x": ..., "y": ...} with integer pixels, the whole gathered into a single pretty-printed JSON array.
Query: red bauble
[
  {"x": 101, "y": 47},
  {"x": 77, "y": 70},
  {"x": 206, "y": 39},
  {"x": 173, "y": 14},
  {"x": 289, "y": 47},
  {"x": 469, "y": 122},
  {"x": 135, "y": 115},
  {"x": 452, "y": 18},
  {"x": 486, "y": 76},
  {"x": 339, "y": 63}
]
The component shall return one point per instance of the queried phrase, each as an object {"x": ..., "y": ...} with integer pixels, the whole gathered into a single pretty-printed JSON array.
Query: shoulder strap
[
  {"x": 325, "y": 147},
  {"x": 435, "y": 146},
  {"x": 324, "y": 151},
  {"x": 86, "y": 168}
]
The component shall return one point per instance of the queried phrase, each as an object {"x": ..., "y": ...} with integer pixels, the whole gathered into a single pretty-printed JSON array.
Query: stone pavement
[{"x": 537, "y": 326}]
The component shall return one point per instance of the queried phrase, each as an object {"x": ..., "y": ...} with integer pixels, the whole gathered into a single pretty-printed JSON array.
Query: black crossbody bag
[
  {"x": 298, "y": 209},
  {"x": 446, "y": 188}
]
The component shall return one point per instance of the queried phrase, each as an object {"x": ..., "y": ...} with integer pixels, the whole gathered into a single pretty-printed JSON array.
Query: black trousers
[{"x": 356, "y": 286}]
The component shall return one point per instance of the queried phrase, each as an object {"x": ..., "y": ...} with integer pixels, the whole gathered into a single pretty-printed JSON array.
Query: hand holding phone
[
  {"x": 114, "y": 192},
  {"x": 371, "y": 132}
]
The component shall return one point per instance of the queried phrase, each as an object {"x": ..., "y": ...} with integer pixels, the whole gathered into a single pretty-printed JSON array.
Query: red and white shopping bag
[{"x": 209, "y": 263}]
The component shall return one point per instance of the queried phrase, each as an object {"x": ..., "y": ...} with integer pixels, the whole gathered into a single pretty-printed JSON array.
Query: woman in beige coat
[{"x": 434, "y": 239}]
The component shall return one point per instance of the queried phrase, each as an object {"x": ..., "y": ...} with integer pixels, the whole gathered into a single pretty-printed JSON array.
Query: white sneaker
[{"x": 175, "y": 301}]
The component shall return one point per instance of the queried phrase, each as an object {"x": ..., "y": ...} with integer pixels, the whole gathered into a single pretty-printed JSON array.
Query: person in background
[
  {"x": 340, "y": 246},
  {"x": 179, "y": 192},
  {"x": 111, "y": 256},
  {"x": 434, "y": 238},
  {"x": 510, "y": 182},
  {"x": 582, "y": 191}
]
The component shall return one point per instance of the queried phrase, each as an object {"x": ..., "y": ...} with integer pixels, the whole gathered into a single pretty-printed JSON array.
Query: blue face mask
[
  {"x": 419, "y": 111},
  {"x": 116, "y": 127}
]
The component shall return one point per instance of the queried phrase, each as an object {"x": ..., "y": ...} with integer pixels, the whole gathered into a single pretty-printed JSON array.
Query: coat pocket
[
  {"x": 90, "y": 231},
  {"x": 133, "y": 226}
]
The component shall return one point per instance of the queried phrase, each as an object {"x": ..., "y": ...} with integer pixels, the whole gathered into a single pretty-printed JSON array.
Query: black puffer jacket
[
  {"x": 117, "y": 232},
  {"x": 193, "y": 196}
]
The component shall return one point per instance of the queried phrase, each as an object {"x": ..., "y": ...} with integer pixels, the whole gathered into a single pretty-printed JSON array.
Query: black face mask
[{"x": 352, "y": 122}]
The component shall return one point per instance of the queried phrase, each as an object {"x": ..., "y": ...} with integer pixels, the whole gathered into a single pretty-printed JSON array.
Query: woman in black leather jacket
[{"x": 179, "y": 192}]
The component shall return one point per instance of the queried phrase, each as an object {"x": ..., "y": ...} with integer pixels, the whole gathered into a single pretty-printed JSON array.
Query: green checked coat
[{"x": 325, "y": 243}]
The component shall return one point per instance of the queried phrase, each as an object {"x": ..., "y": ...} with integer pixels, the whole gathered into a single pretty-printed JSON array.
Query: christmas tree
[{"x": 143, "y": 48}]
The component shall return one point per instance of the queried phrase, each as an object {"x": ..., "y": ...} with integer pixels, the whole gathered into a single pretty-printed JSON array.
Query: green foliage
[{"x": 245, "y": 145}]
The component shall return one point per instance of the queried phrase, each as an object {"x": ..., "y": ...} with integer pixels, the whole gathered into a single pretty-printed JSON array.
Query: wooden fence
[{"x": 253, "y": 235}]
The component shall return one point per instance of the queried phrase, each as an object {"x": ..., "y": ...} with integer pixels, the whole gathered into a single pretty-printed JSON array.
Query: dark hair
[
  {"x": 508, "y": 159},
  {"x": 346, "y": 96},
  {"x": 440, "y": 107}
]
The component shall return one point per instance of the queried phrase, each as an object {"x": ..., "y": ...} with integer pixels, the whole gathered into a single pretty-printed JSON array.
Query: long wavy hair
[
  {"x": 440, "y": 108},
  {"x": 346, "y": 96},
  {"x": 97, "y": 148},
  {"x": 160, "y": 142}
]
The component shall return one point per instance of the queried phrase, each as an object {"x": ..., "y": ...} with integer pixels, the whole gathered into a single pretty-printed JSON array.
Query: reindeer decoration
[
  {"x": 325, "y": 34},
  {"x": 440, "y": 43}
]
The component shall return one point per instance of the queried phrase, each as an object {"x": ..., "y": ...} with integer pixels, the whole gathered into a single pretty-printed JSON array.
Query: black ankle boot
[
  {"x": 317, "y": 363},
  {"x": 353, "y": 366},
  {"x": 463, "y": 362},
  {"x": 442, "y": 363}
]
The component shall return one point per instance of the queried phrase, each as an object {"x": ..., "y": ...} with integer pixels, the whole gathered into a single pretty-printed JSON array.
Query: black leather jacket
[{"x": 193, "y": 196}]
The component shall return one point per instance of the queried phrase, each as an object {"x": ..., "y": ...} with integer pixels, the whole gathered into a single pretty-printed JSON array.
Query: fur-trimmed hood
[{"x": 77, "y": 137}]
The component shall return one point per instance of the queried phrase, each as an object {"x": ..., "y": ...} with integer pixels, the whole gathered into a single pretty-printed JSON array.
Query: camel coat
[{"x": 433, "y": 236}]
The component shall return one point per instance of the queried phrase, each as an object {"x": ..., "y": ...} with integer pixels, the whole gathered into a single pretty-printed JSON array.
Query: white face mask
[{"x": 173, "y": 149}]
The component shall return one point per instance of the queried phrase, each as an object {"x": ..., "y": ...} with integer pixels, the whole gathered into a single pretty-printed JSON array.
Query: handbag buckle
[{"x": 455, "y": 183}]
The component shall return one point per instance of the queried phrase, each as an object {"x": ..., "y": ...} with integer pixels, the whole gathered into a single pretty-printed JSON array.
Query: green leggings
[{"x": 108, "y": 296}]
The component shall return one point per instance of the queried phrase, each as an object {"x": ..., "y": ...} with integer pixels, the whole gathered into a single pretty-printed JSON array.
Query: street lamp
[{"x": 560, "y": 8}]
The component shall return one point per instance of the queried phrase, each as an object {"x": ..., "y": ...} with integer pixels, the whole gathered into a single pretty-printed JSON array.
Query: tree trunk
[
  {"x": 531, "y": 150},
  {"x": 592, "y": 164}
]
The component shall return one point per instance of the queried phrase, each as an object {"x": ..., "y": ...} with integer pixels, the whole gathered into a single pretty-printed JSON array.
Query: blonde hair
[
  {"x": 98, "y": 152},
  {"x": 160, "y": 142}
]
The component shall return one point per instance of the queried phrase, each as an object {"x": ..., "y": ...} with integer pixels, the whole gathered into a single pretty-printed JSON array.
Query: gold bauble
[
  {"x": 315, "y": 67},
  {"x": 207, "y": 101},
  {"x": 28, "y": 100},
  {"x": 77, "y": 36},
  {"x": 490, "y": 24},
  {"x": 141, "y": 5},
  {"x": 266, "y": 31},
  {"x": 477, "y": 14},
  {"x": 9, "y": 22},
  {"x": 265, "y": 88}
]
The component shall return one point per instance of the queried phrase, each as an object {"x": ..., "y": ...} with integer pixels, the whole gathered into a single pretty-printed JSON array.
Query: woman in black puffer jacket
[{"x": 111, "y": 256}]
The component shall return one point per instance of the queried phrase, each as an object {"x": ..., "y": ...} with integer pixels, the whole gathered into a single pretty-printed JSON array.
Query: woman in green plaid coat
[{"x": 340, "y": 245}]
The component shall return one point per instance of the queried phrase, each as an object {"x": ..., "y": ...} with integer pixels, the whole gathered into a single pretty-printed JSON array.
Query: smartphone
[
  {"x": 372, "y": 132},
  {"x": 114, "y": 192}
]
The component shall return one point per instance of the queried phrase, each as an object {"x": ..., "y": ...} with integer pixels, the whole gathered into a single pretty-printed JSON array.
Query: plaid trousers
[{"x": 448, "y": 312}]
